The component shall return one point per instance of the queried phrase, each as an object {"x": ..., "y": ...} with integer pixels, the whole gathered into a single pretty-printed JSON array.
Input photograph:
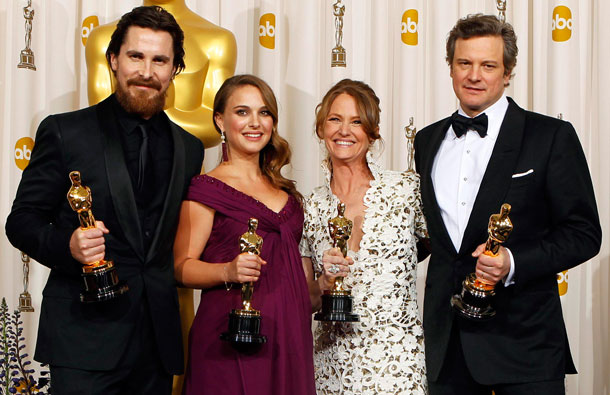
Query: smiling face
[
  {"x": 143, "y": 69},
  {"x": 343, "y": 134},
  {"x": 246, "y": 121},
  {"x": 478, "y": 72}
]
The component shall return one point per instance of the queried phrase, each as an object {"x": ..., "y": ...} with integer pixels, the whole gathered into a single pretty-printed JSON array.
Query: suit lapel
[
  {"x": 119, "y": 181},
  {"x": 429, "y": 195},
  {"x": 174, "y": 192},
  {"x": 496, "y": 179}
]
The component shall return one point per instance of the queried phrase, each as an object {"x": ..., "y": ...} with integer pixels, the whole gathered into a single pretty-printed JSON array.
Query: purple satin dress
[{"x": 283, "y": 365}]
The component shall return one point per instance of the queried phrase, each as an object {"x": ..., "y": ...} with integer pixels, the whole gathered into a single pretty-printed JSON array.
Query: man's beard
[{"x": 138, "y": 102}]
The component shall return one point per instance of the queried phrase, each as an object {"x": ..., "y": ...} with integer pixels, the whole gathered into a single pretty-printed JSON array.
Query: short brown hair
[
  {"x": 366, "y": 101},
  {"x": 479, "y": 25},
  {"x": 151, "y": 17}
]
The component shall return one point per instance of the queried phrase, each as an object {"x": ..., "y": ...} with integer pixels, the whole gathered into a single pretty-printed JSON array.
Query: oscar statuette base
[
  {"x": 244, "y": 328},
  {"x": 474, "y": 302},
  {"x": 338, "y": 57},
  {"x": 26, "y": 60},
  {"x": 101, "y": 283},
  {"x": 337, "y": 306},
  {"x": 25, "y": 302}
]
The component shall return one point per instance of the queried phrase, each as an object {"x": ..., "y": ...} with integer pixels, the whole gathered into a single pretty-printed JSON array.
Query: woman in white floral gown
[{"x": 383, "y": 353}]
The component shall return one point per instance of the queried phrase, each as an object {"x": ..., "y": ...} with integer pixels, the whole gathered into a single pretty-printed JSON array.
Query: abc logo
[
  {"x": 562, "y": 282},
  {"x": 266, "y": 31},
  {"x": 561, "y": 24},
  {"x": 408, "y": 27},
  {"x": 89, "y": 24},
  {"x": 23, "y": 152}
]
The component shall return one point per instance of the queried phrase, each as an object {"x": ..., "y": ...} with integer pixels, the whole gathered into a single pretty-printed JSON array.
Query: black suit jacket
[
  {"x": 556, "y": 227},
  {"x": 95, "y": 336}
]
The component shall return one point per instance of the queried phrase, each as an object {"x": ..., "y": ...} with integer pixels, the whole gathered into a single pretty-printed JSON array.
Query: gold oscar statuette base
[
  {"x": 101, "y": 282},
  {"x": 474, "y": 302},
  {"x": 244, "y": 328},
  {"x": 337, "y": 306}
]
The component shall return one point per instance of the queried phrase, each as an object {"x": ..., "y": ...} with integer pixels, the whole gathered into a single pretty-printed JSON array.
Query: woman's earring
[{"x": 223, "y": 140}]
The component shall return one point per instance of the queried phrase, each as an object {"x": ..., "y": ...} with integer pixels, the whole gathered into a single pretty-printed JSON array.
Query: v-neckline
[
  {"x": 258, "y": 202},
  {"x": 335, "y": 200}
]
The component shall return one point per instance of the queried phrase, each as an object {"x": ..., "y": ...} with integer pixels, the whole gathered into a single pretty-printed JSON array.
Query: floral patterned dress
[{"x": 383, "y": 353}]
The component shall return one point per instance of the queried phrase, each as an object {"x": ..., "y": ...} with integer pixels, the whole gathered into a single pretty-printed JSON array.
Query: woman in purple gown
[{"x": 219, "y": 204}]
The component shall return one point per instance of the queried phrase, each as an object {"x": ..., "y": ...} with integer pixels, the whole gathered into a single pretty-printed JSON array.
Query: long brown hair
[{"x": 276, "y": 154}]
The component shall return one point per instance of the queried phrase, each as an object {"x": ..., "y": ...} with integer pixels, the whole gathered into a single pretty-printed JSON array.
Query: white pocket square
[{"x": 530, "y": 171}]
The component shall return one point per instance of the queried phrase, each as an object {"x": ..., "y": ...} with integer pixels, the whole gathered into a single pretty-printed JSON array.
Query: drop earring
[{"x": 223, "y": 140}]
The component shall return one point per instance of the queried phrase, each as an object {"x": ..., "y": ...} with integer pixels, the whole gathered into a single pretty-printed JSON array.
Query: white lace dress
[{"x": 384, "y": 352}]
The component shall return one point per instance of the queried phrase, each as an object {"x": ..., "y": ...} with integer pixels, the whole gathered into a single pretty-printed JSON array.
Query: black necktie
[
  {"x": 143, "y": 155},
  {"x": 462, "y": 124}
]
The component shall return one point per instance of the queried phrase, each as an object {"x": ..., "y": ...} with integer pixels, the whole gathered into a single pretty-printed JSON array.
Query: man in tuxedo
[
  {"x": 138, "y": 165},
  {"x": 488, "y": 153}
]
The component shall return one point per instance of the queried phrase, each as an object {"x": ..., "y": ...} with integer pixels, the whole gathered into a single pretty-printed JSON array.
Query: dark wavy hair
[
  {"x": 367, "y": 103},
  {"x": 152, "y": 17},
  {"x": 479, "y": 25},
  {"x": 276, "y": 154}
]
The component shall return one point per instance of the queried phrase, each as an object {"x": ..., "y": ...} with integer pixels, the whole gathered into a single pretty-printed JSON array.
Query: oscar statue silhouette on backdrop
[
  {"x": 410, "y": 132},
  {"x": 210, "y": 57},
  {"x": 26, "y": 57},
  {"x": 338, "y": 57}
]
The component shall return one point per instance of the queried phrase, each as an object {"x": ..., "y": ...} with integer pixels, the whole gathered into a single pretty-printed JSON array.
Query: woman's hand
[
  {"x": 244, "y": 268},
  {"x": 334, "y": 265}
]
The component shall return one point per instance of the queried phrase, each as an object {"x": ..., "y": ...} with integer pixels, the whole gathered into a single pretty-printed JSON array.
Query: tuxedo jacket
[
  {"x": 538, "y": 167},
  {"x": 95, "y": 336}
]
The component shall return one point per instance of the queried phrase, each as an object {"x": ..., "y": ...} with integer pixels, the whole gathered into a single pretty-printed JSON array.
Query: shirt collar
[
  {"x": 374, "y": 167},
  {"x": 129, "y": 122}
]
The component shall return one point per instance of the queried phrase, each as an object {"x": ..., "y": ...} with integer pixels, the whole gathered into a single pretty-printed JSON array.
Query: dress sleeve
[
  {"x": 310, "y": 242},
  {"x": 304, "y": 245}
]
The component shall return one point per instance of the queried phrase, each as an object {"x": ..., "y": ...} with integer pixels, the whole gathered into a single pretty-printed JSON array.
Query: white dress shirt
[{"x": 458, "y": 170}]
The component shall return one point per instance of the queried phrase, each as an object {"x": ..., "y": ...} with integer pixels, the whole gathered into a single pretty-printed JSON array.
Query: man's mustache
[{"x": 150, "y": 83}]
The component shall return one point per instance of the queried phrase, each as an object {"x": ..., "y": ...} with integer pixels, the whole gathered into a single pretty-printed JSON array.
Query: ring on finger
[{"x": 334, "y": 269}]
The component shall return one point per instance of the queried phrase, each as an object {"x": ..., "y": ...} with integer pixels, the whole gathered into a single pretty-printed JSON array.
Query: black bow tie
[{"x": 462, "y": 124}]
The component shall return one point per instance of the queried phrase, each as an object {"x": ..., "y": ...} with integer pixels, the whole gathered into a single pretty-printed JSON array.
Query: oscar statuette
[
  {"x": 501, "y": 6},
  {"x": 101, "y": 280},
  {"x": 410, "y": 132},
  {"x": 337, "y": 302},
  {"x": 25, "y": 299},
  {"x": 474, "y": 302},
  {"x": 338, "y": 57},
  {"x": 245, "y": 323},
  {"x": 26, "y": 57}
]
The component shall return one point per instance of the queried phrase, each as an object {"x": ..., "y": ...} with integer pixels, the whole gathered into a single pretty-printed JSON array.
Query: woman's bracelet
[{"x": 228, "y": 285}]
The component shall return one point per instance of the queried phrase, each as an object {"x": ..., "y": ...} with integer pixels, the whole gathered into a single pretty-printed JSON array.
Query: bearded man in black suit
[
  {"x": 138, "y": 165},
  {"x": 488, "y": 153}
]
